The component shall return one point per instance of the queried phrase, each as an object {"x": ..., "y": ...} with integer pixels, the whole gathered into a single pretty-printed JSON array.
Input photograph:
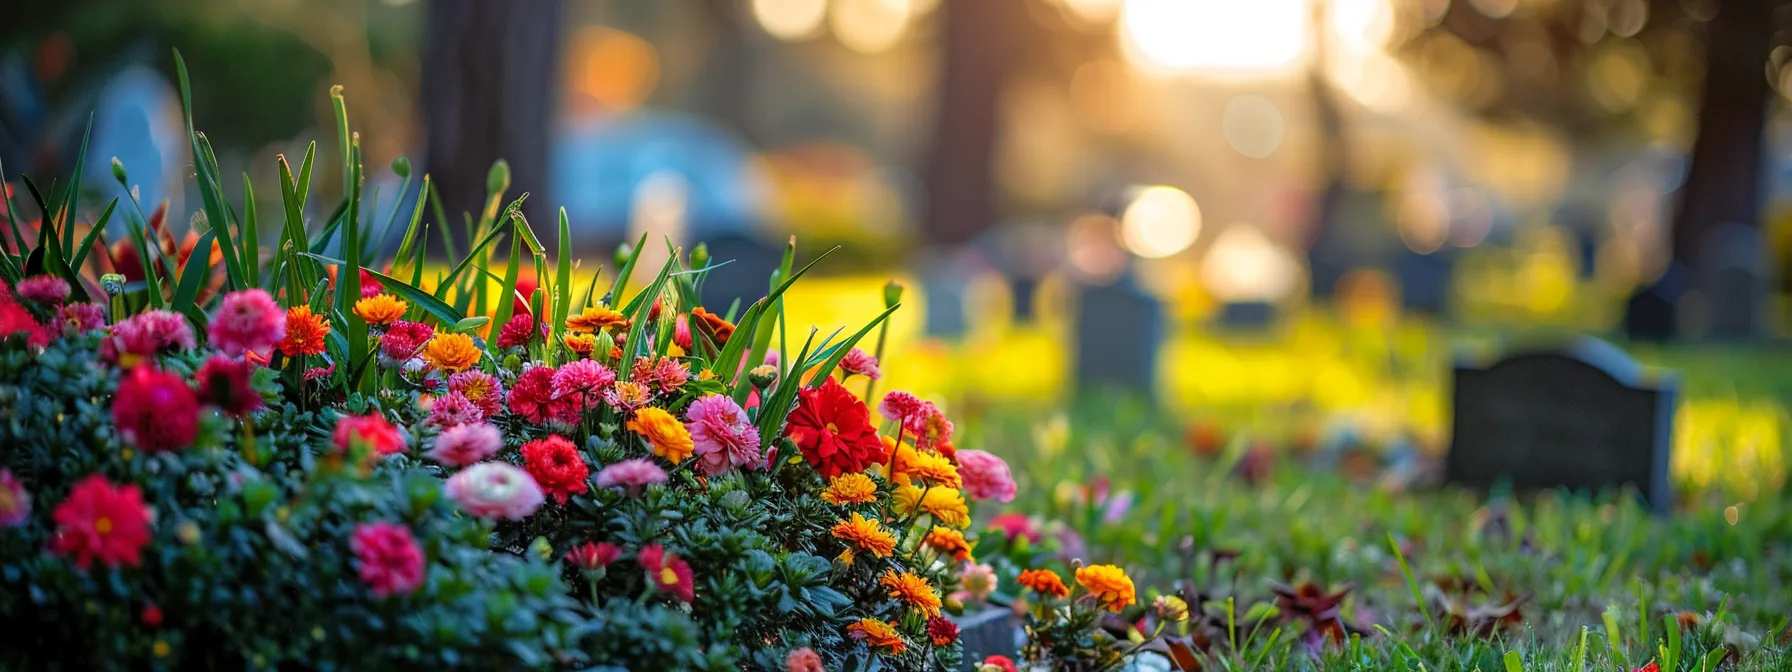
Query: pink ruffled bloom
[
  {"x": 495, "y": 490},
  {"x": 147, "y": 334},
  {"x": 15, "y": 501},
  {"x": 247, "y": 321},
  {"x": 665, "y": 375},
  {"x": 898, "y": 406},
  {"x": 453, "y": 410},
  {"x": 803, "y": 660},
  {"x": 985, "y": 476},
  {"x": 479, "y": 387},
  {"x": 724, "y": 438},
  {"x": 857, "y": 362},
  {"x": 388, "y": 558},
  {"x": 44, "y": 290},
  {"x": 80, "y": 318},
  {"x": 631, "y": 475},
  {"x": 582, "y": 383},
  {"x": 465, "y": 444}
]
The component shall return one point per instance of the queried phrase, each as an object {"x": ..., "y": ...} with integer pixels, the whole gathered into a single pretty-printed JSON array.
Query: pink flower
[
  {"x": 899, "y": 405},
  {"x": 592, "y": 557},
  {"x": 985, "y": 476},
  {"x": 582, "y": 383},
  {"x": 929, "y": 427},
  {"x": 803, "y": 660},
  {"x": 479, "y": 387},
  {"x": 145, "y": 335},
  {"x": 631, "y": 475},
  {"x": 1013, "y": 525},
  {"x": 372, "y": 431},
  {"x": 532, "y": 397},
  {"x": 724, "y": 438},
  {"x": 155, "y": 410},
  {"x": 247, "y": 321},
  {"x": 857, "y": 362},
  {"x": 462, "y": 445},
  {"x": 101, "y": 521},
  {"x": 317, "y": 372},
  {"x": 389, "y": 560},
  {"x": 517, "y": 332},
  {"x": 681, "y": 333},
  {"x": 80, "y": 318},
  {"x": 771, "y": 357},
  {"x": 370, "y": 286},
  {"x": 452, "y": 409},
  {"x": 495, "y": 490},
  {"x": 15, "y": 500},
  {"x": 665, "y": 375},
  {"x": 44, "y": 290},
  {"x": 402, "y": 342}
]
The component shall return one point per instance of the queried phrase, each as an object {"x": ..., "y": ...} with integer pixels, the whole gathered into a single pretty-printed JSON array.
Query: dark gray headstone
[
  {"x": 1119, "y": 328},
  {"x": 1650, "y": 314},
  {"x": 1424, "y": 280},
  {"x": 990, "y": 632},
  {"x": 746, "y": 276},
  {"x": 1579, "y": 417},
  {"x": 1733, "y": 274},
  {"x": 1247, "y": 315}
]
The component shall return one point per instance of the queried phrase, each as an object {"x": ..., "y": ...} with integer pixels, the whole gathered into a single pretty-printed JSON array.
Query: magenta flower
[
  {"x": 582, "y": 382},
  {"x": 43, "y": 290},
  {"x": 247, "y": 321},
  {"x": 985, "y": 476},
  {"x": 479, "y": 387},
  {"x": 495, "y": 490},
  {"x": 724, "y": 438},
  {"x": 465, "y": 444},
  {"x": 80, "y": 318},
  {"x": 452, "y": 409},
  {"x": 857, "y": 362},
  {"x": 631, "y": 475},
  {"x": 402, "y": 342},
  {"x": 388, "y": 558},
  {"x": 147, "y": 334},
  {"x": 898, "y": 406}
]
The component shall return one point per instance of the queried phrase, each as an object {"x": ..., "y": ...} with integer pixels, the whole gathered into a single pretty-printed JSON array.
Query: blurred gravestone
[
  {"x": 1579, "y": 417},
  {"x": 746, "y": 276},
  {"x": 985, "y": 633},
  {"x": 1649, "y": 313},
  {"x": 945, "y": 281},
  {"x": 1424, "y": 280},
  {"x": 1733, "y": 276},
  {"x": 1023, "y": 253},
  {"x": 1119, "y": 328},
  {"x": 1247, "y": 315}
]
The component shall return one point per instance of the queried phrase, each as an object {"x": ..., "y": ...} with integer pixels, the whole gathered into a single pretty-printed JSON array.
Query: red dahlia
[
  {"x": 833, "y": 429},
  {"x": 556, "y": 466}
]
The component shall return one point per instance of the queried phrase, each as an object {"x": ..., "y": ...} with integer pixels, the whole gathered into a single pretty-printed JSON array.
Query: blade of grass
[
  {"x": 94, "y": 233},
  {"x": 72, "y": 197},
  {"x": 251, "y": 233},
  {"x": 1411, "y": 583}
]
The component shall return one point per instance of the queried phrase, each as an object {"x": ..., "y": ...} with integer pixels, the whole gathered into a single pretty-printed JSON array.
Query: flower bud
[
  {"x": 498, "y": 180},
  {"x": 112, "y": 284},
  {"x": 762, "y": 376},
  {"x": 542, "y": 549},
  {"x": 401, "y": 166},
  {"x": 700, "y": 256},
  {"x": 118, "y": 172},
  {"x": 892, "y": 294},
  {"x": 1171, "y": 608},
  {"x": 624, "y": 252}
]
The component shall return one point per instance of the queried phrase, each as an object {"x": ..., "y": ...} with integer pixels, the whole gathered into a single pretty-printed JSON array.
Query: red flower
[
  {"x": 224, "y": 383},
  {"x": 389, "y": 560},
  {"x": 590, "y": 557},
  {"x": 402, "y": 341},
  {"x": 372, "y": 431},
  {"x": 556, "y": 466},
  {"x": 833, "y": 429},
  {"x": 103, "y": 522},
  {"x": 943, "y": 632},
  {"x": 668, "y": 573},
  {"x": 151, "y": 616},
  {"x": 1651, "y": 667},
  {"x": 517, "y": 332},
  {"x": 1000, "y": 662},
  {"x": 1013, "y": 525},
  {"x": 370, "y": 286},
  {"x": 155, "y": 410},
  {"x": 532, "y": 397}
]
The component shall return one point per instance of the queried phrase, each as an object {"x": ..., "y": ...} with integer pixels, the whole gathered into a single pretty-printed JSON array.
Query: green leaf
[
  {"x": 470, "y": 323},
  {"x": 92, "y": 234},
  {"x": 251, "y": 236},
  {"x": 410, "y": 232},
  {"x": 193, "y": 274},
  {"x": 512, "y": 271},
  {"x": 429, "y": 303},
  {"x": 846, "y": 346},
  {"x": 72, "y": 197},
  {"x": 205, "y": 169},
  {"x": 628, "y": 269}
]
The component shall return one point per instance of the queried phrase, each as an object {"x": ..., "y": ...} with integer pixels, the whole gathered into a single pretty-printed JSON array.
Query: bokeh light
[
  {"x": 1159, "y": 222},
  {"x": 1245, "y": 265},
  {"x": 1216, "y": 37},
  {"x": 1253, "y": 126},
  {"x": 790, "y": 19},
  {"x": 870, "y": 26},
  {"x": 614, "y": 68}
]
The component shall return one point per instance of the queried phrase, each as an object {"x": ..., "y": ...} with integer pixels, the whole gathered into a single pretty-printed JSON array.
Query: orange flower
[
  {"x": 912, "y": 589},
  {"x": 946, "y": 505},
  {"x": 580, "y": 343},
  {"x": 1110, "y": 585},
  {"x": 305, "y": 332},
  {"x": 713, "y": 325},
  {"x": 848, "y": 489},
  {"x": 948, "y": 541},
  {"x": 594, "y": 318},
  {"x": 451, "y": 352},
  {"x": 669, "y": 437},
  {"x": 381, "y": 309},
  {"x": 928, "y": 468},
  {"x": 1045, "y": 582},
  {"x": 877, "y": 633},
  {"x": 865, "y": 534}
]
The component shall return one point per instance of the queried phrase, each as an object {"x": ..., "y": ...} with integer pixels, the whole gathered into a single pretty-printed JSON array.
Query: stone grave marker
[
  {"x": 988, "y": 632},
  {"x": 1118, "y": 331},
  {"x": 1581, "y": 416}
]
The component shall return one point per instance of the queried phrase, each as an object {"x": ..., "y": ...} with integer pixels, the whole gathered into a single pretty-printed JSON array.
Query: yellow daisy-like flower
[
  {"x": 946, "y": 505},
  {"x": 1110, "y": 585},
  {"x": 580, "y": 343},
  {"x": 949, "y": 542},
  {"x": 848, "y": 489},
  {"x": 877, "y": 634},
  {"x": 594, "y": 318},
  {"x": 381, "y": 309},
  {"x": 928, "y": 468},
  {"x": 911, "y": 589},
  {"x": 451, "y": 352},
  {"x": 865, "y": 534},
  {"x": 669, "y": 437}
]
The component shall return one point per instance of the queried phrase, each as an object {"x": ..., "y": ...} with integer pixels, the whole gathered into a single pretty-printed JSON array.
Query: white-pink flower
[
  {"x": 452, "y": 409},
  {"x": 857, "y": 362},
  {"x": 724, "y": 438},
  {"x": 985, "y": 476},
  {"x": 247, "y": 321},
  {"x": 495, "y": 490},
  {"x": 462, "y": 445},
  {"x": 631, "y": 475}
]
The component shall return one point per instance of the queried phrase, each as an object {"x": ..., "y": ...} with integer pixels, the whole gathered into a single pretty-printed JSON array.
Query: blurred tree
[{"x": 980, "y": 46}]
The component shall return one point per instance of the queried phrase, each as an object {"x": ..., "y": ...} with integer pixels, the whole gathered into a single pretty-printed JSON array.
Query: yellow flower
[
  {"x": 381, "y": 309},
  {"x": 1110, "y": 585},
  {"x": 850, "y": 489},
  {"x": 594, "y": 318},
  {"x": 876, "y": 634},
  {"x": 911, "y": 589},
  {"x": 669, "y": 437},
  {"x": 950, "y": 542},
  {"x": 451, "y": 352},
  {"x": 673, "y": 351},
  {"x": 865, "y": 534},
  {"x": 161, "y": 649},
  {"x": 946, "y": 505},
  {"x": 928, "y": 468},
  {"x": 580, "y": 343}
]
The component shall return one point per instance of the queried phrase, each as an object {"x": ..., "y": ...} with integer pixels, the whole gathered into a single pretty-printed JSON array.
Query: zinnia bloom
[
  {"x": 15, "y": 500},
  {"x": 582, "y": 383},
  {"x": 155, "y": 410},
  {"x": 712, "y": 325},
  {"x": 857, "y": 362},
  {"x": 388, "y": 558},
  {"x": 381, "y": 309},
  {"x": 532, "y": 397},
  {"x": 944, "y": 504},
  {"x": 44, "y": 290},
  {"x": 911, "y": 589},
  {"x": 723, "y": 437},
  {"x": 865, "y": 534},
  {"x": 452, "y": 409},
  {"x": 631, "y": 475},
  {"x": 556, "y": 466},
  {"x": 594, "y": 318},
  {"x": 665, "y": 433},
  {"x": 306, "y": 333},
  {"x": 225, "y": 383},
  {"x": 593, "y": 556},
  {"x": 1045, "y": 582},
  {"x": 804, "y": 659},
  {"x": 146, "y": 334},
  {"x": 985, "y": 476},
  {"x": 941, "y": 632},
  {"x": 404, "y": 341},
  {"x": 80, "y": 318},
  {"x": 877, "y": 634},
  {"x": 100, "y": 521},
  {"x": 495, "y": 490},
  {"x": 247, "y": 321},
  {"x": 370, "y": 286},
  {"x": 466, "y": 444},
  {"x": 371, "y": 432},
  {"x": 668, "y": 573},
  {"x": 848, "y": 489},
  {"x": 1109, "y": 585},
  {"x": 581, "y": 343},
  {"x": 517, "y": 332},
  {"x": 948, "y": 542},
  {"x": 451, "y": 352},
  {"x": 479, "y": 387},
  {"x": 833, "y": 430}
]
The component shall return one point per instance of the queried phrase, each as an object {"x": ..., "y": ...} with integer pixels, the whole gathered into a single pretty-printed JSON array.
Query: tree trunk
[
  {"x": 489, "y": 70},
  {"x": 1329, "y": 258},
  {"x": 980, "y": 42},
  {"x": 1724, "y": 180}
]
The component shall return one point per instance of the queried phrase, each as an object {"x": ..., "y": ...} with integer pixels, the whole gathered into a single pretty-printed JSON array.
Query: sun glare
[{"x": 1216, "y": 37}]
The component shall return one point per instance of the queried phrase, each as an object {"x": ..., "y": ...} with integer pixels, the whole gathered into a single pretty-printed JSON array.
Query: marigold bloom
[
  {"x": 833, "y": 430},
  {"x": 722, "y": 436},
  {"x": 949, "y": 542},
  {"x": 381, "y": 309},
  {"x": 712, "y": 325},
  {"x": 451, "y": 352},
  {"x": 15, "y": 500},
  {"x": 306, "y": 333},
  {"x": 667, "y": 572},
  {"x": 495, "y": 490},
  {"x": 877, "y": 634},
  {"x": 804, "y": 659},
  {"x": 946, "y": 505},
  {"x": 865, "y": 534},
  {"x": 100, "y": 521},
  {"x": 665, "y": 433},
  {"x": 911, "y": 589},
  {"x": 388, "y": 558},
  {"x": 580, "y": 343},
  {"x": 557, "y": 467},
  {"x": 594, "y": 318},
  {"x": 847, "y": 489},
  {"x": 463, "y": 445},
  {"x": 225, "y": 384},
  {"x": 1110, "y": 586},
  {"x": 247, "y": 321},
  {"x": 912, "y": 466},
  {"x": 985, "y": 476},
  {"x": 1045, "y": 582},
  {"x": 155, "y": 410},
  {"x": 941, "y": 631}
]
